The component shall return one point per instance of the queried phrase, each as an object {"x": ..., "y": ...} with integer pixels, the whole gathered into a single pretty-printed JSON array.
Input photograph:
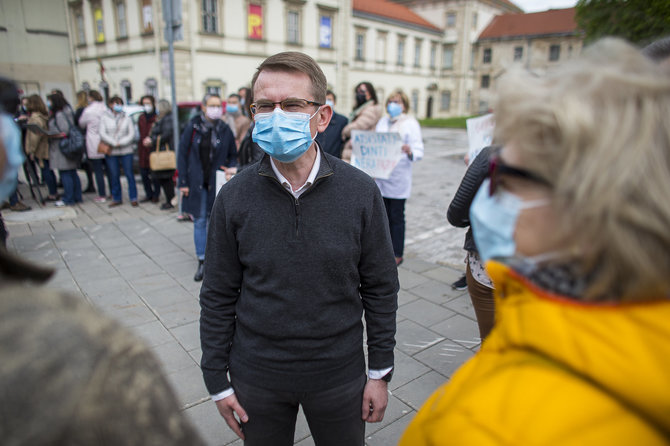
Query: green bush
[{"x": 454, "y": 123}]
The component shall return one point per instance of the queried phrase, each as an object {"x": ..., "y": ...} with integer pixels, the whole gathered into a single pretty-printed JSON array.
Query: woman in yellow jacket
[{"x": 575, "y": 222}]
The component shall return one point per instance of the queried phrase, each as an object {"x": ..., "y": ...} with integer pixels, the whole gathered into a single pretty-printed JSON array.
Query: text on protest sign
[{"x": 375, "y": 153}]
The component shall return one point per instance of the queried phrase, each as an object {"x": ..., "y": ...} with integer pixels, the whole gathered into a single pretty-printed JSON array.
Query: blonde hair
[
  {"x": 597, "y": 128},
  {"x": 82, "y": 99},
  {"x": 403, "y": 98},
  {"x": 164, "y": 107}
]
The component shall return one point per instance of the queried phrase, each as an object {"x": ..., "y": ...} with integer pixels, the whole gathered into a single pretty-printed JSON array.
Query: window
[
  {"x": 209, "y": 19},
  {"x": 293, "y": 27},
  {"x": 417, "y": 53},
  {"x": 433, "y": 54},
  {"x": 104, "y": 89},
  {"x": 126, "y": 91},
  {"x": 448, "y": 57},
  {"x": 401, "y": 51},
  {"x": 554, "y": 52},
  {"x": 98, "y": 23},
  {"x": 518, "y": 52},
  {"x": 415, "y": 100},
  {"x": 147, "y": 17},
  {"x": 151, "y": 87},
  {"x": 487, "y": 55},
  {"x": 86, "y": 86},
  {"x": 360, "y": 45},
  {"x": 79, "y": 27},
  {"x": 474, "y": 20},
  {"x": 467, "y": 101},
  {"x": 213, "y": 89},
  {"x": 486, "y": 79},
  {"x": 381, "y": 47},
  {"x": 121, "y": 24},
  {"x": 473, "y": 56},
  {"x": 326, "y": 31},
  {"x": 445, "y": 101},
  {"x": 451, "y": 19}
]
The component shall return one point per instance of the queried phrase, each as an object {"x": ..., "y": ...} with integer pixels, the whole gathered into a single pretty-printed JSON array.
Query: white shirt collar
[{"x": 310, "y": 179}]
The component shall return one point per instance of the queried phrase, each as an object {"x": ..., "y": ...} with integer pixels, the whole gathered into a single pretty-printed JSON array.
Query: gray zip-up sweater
[{"x": 287, "y": 281}]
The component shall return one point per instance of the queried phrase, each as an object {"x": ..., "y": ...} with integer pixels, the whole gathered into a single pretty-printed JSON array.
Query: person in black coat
[
  {"x": 458, "y": 214},
  {"x": 330, "y": 140},
  {"x": 207, "y": 144},
  {"x": 160, "y": 138}
]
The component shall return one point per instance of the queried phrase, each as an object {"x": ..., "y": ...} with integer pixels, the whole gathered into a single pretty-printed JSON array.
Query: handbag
[
  {"x": 104, "y": 148},
  {"x": 162, "y": 159},
  {"x": 74, "y": 144}
]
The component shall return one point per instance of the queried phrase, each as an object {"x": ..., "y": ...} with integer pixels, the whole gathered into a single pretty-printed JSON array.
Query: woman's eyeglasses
[{"x": 498, "y": 167}]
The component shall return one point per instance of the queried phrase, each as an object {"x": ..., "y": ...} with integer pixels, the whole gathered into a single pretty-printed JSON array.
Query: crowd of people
[{"x": 567, "y": 265}]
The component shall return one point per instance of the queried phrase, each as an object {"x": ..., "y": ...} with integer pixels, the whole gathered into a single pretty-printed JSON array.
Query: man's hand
[
  {"x": 228, "y": 407},
  {"x": 184, "y": 191},
  {"x": 375, "y": 399},
  {"x": 230, "y": 171}
]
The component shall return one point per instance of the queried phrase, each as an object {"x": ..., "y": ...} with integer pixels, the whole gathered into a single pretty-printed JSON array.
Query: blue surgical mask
[
  {"x": 232, "y": 108},
  {"x": 285, "y": 136},
  {"x": 394, "y": 109},
  {"x": 493, "y": 220},
  {"x": 11, "y": 139},
  {"x": 117, "y": 108}
]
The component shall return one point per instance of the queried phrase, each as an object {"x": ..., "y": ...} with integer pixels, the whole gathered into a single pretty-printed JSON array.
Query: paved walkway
[{"x": 137, "y": 265}]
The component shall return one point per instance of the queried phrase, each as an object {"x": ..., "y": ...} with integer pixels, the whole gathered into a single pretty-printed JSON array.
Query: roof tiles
[
  {"x": 394, "y": 11},
  {"x": 554, "y": 21}
]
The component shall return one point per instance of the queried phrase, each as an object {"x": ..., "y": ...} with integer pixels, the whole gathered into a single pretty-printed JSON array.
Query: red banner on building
[{"x": 255, "y": 22}]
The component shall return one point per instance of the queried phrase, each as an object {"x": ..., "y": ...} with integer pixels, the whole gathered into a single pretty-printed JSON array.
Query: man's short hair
[
  {"x": 330, "y": 92},
  {"x": 296, "y": 62},
  {"x": 206, "y": 97},
  {"x": 235, "y": 95}
]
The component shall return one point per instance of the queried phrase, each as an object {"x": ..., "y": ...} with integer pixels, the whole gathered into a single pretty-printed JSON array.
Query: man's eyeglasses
[
  {"x": 288, "y": 105},
  {"x": 498, "y": 167}
]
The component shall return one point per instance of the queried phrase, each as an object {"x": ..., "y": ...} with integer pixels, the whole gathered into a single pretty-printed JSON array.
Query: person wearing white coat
[
  {"x": 90, "y": 120},
  {"x": 398, "y": 187},
  {"x": 117, "y": 130}
]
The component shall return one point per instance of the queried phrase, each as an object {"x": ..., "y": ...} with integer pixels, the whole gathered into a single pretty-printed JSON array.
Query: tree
[{"x": 639, "y": 21}]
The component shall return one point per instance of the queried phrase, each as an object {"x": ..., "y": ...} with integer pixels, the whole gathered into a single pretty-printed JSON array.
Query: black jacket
[
  {"x": 288, "y": 280},
  {"x": 458, "y": 213},
  {"x": 331, "y": 139}
]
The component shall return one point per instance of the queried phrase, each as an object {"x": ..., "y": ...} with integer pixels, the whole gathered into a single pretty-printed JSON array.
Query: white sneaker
[
  {"x": 59, "y": 203},
  {"x": 100, "y": 200}
]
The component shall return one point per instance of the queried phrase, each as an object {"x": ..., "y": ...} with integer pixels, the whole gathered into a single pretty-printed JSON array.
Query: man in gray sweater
[{"x": 298, "y": 251}]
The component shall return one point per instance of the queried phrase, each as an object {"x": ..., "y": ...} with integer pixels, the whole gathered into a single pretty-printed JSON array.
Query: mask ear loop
[{"x": 310, "y": 118}]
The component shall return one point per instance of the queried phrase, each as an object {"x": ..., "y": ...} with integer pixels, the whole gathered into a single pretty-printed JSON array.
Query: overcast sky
[{"x": 543, "y": 5}]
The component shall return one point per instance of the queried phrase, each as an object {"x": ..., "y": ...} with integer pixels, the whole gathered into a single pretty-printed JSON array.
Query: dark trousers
[
  {"x": 395, "y": 211},
  {"x": 151, "y": 186},
  {"x": 49, "y": 178},
  {"x": 71, "y": 186},
  {"x": 168, "y": 187},
  {"x": 333, "y": 415},
  {"x": 99, "y": 168}
]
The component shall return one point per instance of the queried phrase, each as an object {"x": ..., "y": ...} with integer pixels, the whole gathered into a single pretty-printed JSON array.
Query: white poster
[
  {"x": 375, "y": 153},
  {"x": 480, "y": 134},
  {"x": 220, "y": 180}
]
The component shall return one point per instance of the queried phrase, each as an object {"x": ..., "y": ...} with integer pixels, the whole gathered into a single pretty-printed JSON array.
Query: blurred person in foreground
[
  {"x": 297, "y": 254},
  {"x": 70, "y": 375},
  {"x": 396, "y": 189},
  {"x": 573, "y": 224}
]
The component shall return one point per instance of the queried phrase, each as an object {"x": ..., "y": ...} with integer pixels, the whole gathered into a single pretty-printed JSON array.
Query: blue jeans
[
  {"x": 71, "y": 186},
  {"x": 126, "y": 161},
  {"x": 200, "y": 226},
  {"x": 49, "y": 178},
  {"x": 99, "y": 171}
]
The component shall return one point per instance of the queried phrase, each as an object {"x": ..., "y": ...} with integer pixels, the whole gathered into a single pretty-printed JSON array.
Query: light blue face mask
[
  {"x": 285, "y": 136},
  {"x": 394, "y": 109},
  {"x": 11, "y": 139},
  {"x": 117, "y": 108},
  {"x": 493, "y": 220},
  {"x": 232, "y": 108}
]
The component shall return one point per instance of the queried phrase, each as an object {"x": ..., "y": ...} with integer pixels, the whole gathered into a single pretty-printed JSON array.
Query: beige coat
[
  {"x": 37, "y": 144},
  {"x": 366, "y": 119}
]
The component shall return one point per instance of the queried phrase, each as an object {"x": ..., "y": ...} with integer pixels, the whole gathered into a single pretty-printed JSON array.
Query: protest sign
[
  {"x": 480, "y": 134},
  {"x": 375, "y": 153}
]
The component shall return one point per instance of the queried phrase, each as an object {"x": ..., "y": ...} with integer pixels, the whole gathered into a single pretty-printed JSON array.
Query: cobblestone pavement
[{"x": 137, "y": 265}]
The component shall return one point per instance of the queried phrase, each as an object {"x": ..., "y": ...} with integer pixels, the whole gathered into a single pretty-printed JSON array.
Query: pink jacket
[{"x": 90, "y": 120}]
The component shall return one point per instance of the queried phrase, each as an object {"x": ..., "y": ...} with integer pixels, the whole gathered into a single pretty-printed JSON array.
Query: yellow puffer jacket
[{"x": 556, "y": 372}]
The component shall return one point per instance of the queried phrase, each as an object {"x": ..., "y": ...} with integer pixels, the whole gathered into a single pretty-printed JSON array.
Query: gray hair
[{"x": 164, "y": 107}]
